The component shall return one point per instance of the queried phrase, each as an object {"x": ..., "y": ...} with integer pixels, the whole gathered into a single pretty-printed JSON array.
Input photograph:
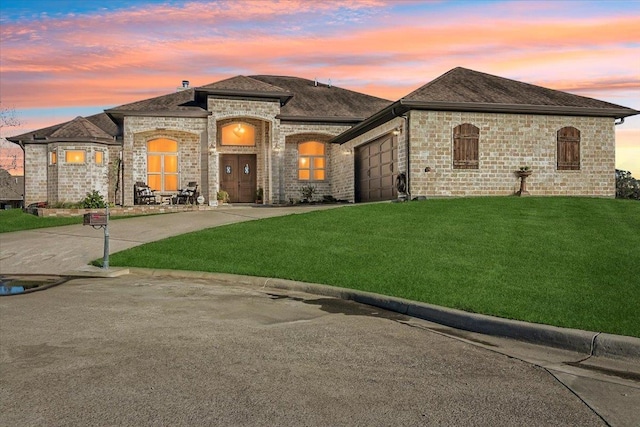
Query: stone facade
[
  {"x": 36, "y": 183},
  {"x": 138, "y": 131},
  {"x": 508, "y": 142}
]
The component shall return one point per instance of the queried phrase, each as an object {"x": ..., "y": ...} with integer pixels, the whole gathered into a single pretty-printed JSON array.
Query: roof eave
[
  {"x": 519, "y": 109},
  {"x": 47, "y": 140},
  {"x": 394, "y": 110},
  {"x": 156, "y": 113},
  {"x": 322, "y": 119}
]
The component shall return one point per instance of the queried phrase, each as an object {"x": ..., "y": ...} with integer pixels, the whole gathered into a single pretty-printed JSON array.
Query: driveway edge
[{"x": 591, "y": 343}]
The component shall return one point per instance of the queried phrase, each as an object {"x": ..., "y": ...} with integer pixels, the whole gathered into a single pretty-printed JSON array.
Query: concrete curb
[{"x": 591, "y": 343}]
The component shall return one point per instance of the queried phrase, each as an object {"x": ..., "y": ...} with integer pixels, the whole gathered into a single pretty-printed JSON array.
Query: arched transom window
[
  {"x": 311, "y": 161},
  {"x": 162, "y": 164},
  {"x": 238, "y": 133}
]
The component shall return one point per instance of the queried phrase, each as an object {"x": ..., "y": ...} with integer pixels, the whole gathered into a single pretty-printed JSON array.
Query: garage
[{"x": 376, "y": 170}]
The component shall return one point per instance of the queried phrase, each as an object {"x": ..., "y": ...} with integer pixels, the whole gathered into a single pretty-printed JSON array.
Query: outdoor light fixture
[
  {"x": 238, "y": 130},
  {"x": 396, "y": 131}
]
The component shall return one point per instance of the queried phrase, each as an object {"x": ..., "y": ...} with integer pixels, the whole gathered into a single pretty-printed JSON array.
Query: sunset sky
[{"x": 63, "y": 58}]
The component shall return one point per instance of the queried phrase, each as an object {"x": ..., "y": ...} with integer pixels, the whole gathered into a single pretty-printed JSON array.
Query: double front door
[{"x": 238, "y": 177}]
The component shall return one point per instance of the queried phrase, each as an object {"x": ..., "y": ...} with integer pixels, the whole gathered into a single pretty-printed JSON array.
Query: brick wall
[
  {"x": 507, "y": 142},
  {"x": 291, "y": 135},
  {"x": 139, "y": 130},
  {"x": 35, "y": 173}
]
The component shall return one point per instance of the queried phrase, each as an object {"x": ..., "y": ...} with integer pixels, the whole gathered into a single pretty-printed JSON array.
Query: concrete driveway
[
  {"x": 59, "y": 249},
  {"x": 138, "y": 350}
]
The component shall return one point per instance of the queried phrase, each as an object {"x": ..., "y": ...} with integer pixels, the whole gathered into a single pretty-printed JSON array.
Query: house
[
  {"x": 11, "y": 190},
  {"x": 463, "y": 134}
]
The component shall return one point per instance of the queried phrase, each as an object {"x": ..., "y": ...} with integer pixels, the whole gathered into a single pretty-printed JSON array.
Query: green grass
[
  {"x": 571, "y": 262},
  {"x": 16, "y": 220}
]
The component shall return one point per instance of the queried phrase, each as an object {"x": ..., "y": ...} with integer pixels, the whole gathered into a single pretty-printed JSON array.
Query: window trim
[
  {"x": 99, "y": 153},
  {"x": 465, "y": 133},
  {"x": 53, "y": 158},
  {"x": 312, "y": 169}
]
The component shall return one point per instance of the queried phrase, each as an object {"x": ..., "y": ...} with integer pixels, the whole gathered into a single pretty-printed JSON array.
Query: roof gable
[
  {"x": 97, "y": 126},
  {"x": 79, "y": 128}
]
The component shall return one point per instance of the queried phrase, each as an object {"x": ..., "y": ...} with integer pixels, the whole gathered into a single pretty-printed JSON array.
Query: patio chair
[
  {"x": 189, "y": 194},
  {"x": 143, "y": 194}
]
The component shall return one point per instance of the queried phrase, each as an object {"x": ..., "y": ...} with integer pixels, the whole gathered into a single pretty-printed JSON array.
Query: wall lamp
[{"x": 396, "y": 131}]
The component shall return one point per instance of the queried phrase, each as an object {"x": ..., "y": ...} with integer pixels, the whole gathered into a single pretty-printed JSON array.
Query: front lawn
[
  {"x": 571, "y": 262},
  {"x": 16, "y": 220}
]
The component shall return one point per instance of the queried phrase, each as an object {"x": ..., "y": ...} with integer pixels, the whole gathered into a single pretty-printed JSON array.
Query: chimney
[{"x": 185, "y": 86}]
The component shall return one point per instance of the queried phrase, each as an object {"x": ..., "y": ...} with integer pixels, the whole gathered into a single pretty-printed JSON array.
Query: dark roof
[
  {"x": 243, "y": 83},
  {"x": 321, "y": 101},
  {"x": 462, "y": 89},
  {"x": 179, "y": 103},
  {"x": 465, "y": 86},
  {"x": 98, "y": 127}
]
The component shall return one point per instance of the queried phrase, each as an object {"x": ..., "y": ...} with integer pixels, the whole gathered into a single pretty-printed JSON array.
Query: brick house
[{"x": 464, "y": 133}]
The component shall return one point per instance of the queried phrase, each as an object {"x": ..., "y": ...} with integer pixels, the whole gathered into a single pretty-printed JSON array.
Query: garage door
[{"x": 376, "y": 170}]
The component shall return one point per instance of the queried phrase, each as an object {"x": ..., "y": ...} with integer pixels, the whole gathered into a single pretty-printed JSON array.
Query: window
[
  {"x": 162, "y": 164},
  {"x": 568, "y": 148},
  {"x": 465, "y": 146},
  {"x": 99, "y": 157},
  {"x": 74, "y": 156},
  {"x": 238, "y": 134},
  {"x": 311, "y": 161},
  {"x": 53, "y": 157}
]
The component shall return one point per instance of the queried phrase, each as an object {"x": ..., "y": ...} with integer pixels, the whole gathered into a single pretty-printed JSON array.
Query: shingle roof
[
  {"x": 245, "y": 84},
  {"x": 462, "y": 85},
  {"x": 98, "y": 126},
  {"x": 79, "y": 128},
  {"x": 323, "y": 101},
  {"x": 181, "y": 102}
]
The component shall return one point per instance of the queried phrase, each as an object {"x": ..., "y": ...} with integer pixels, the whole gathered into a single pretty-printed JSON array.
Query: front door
[{"x": 238, "y": 177}]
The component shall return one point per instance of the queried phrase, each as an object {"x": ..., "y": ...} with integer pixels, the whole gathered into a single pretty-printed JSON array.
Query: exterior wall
[
  {"x": 343, "y": 170},
  {"x": 35, "y": 173},
  {"x": 262, "y": 115},
  {"x": 508, "y": 142},
  {"x": 70, "y": 182},
  {"x": 64, "y": 182},
  {"x": 293, "y": 134},
  {"x": 189, "y": 132}
]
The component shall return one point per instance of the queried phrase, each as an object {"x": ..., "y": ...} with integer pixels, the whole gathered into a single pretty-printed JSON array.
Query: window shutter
[
  {"x": 465, "y": 146},
  {"x": 568, "y": 148}
]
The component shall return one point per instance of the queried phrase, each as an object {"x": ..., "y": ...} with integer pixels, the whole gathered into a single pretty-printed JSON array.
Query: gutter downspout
[
  {"x": 408, "y": 152},
  {"x": 618, "y": 123}
]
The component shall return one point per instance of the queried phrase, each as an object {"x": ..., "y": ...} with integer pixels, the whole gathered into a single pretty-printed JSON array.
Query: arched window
[
  {"x": 162, "y": 164},
  {"x": 238, "y": 133},
  {"x": 465, "y": 146},
  {"x": 311, "y": 161},
  {"x": 568, "y": 148}
]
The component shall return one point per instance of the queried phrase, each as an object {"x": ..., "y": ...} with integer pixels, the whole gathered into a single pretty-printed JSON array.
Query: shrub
[
  {"x": 627, "y": 187},
  {"x": 307, "y": 193},
  {"x": 93, "y": 200}
]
